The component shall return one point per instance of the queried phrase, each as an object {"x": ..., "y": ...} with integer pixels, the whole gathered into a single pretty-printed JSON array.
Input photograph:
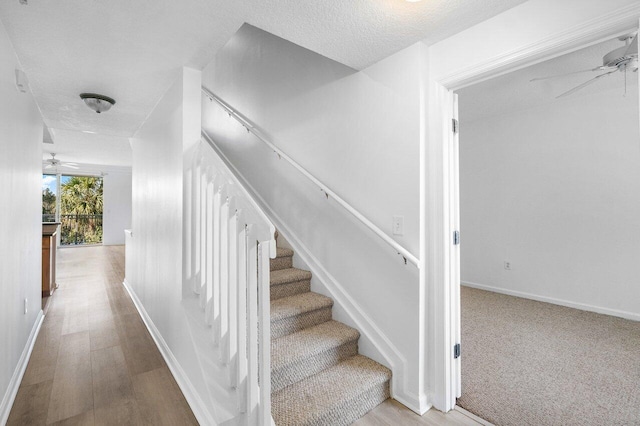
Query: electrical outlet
[
  {"x": 398, "y": 225},
  {"x": 507, "y": 265},
  {"x": 25, "y": 306}
]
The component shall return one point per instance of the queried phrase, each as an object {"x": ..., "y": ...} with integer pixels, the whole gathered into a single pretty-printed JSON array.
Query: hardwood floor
[
  {"x": 94, "y": 362},
  {"x": 392, "y": 413}
]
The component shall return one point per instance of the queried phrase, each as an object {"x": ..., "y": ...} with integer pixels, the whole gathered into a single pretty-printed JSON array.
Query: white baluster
[
  {"x": 197, "y": 227},
  {"x": 202, "y": 258},
  {"x": 217, "y": 210},
  {"x": 252, "y": 308},
  {"x": 243, "y": 272},
  {"x": 224, "y": 277},
  {"x": 232, "y": 341},
  {"x": 188, "y": 225},
  {"x": 264, "y": 304}
]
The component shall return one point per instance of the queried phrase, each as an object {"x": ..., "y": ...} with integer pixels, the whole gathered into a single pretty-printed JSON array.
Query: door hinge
[
  {"x": 456, "y": 238},
  {"x": 455, "y": 126},
  {"x": 456, "y": 351}
]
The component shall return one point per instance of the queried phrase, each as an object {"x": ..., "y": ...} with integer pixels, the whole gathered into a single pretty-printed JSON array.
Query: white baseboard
[
  {"x": 369, "y": 331},
  {"x": 561, "y": 302},
  {"x": 16, "y": 379},
  {"x": 199, "y": 408}
]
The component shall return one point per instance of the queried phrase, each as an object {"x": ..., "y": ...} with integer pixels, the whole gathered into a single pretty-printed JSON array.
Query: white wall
[
  {"x": 358, "y": 132},
  {"x": 553, "y": 191},
  {"x": 154, "y": 267},
  {"x": 20, "y": 222},
  {"x": 116, "y": 216}
]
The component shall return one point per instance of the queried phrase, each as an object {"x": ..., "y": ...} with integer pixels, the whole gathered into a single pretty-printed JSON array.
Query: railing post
[
  {"x": 252, "y": 309},
  {"x": 196, "y": 197},
  {"x": 264, "y": 418},
  {"x": 232, "y": 341},
  {"x": 224, "y": 280},
  {"x": 217, "y": 248},
  {"x": 243, "y": 273}
]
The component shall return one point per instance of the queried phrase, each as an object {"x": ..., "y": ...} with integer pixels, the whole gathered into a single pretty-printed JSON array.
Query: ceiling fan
[
  {"x": 53, "y": 162},
  {"x": 622, "y": 59}
]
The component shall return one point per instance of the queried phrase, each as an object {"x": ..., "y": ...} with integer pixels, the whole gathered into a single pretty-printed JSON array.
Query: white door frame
[{"x": 440, "y": 158}]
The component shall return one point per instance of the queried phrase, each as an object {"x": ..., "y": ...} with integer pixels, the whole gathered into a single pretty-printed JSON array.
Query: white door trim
[{"x": 442, "y": 278}]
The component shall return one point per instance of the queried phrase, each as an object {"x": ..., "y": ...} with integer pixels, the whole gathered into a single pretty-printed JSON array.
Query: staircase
[{"x": 317, "y": 375}]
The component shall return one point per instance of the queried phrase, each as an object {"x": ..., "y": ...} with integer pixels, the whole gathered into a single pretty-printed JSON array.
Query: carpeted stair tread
[
  {"x": 283, "y": 260},
  {"x": 298, "y": 304},
  {"x": 284, "y": 252},
  {"x": 299, "y": 355},
  {"x": 336, "y": 396},
  {"x": 310, "y": 342},
  {"x": 290, "y": 275}
]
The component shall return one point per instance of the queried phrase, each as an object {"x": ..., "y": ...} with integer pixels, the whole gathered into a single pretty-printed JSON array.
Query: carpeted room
[{"x": 548, "y": 211}]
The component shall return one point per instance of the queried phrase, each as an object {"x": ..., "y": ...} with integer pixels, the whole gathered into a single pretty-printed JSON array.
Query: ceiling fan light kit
[
  {"x": 622, "y": 59},
  {"x": 98, "y": 103},
  {"x": 54, "y": 163}
]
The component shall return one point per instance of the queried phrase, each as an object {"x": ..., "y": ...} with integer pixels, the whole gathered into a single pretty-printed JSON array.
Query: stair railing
[
  {"x": 247, "y": 124},
  {"x": 227, "y": 261}
]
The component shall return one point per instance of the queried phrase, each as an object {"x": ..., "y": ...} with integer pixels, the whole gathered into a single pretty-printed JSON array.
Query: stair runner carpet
[{"x": 317, "y": 375}]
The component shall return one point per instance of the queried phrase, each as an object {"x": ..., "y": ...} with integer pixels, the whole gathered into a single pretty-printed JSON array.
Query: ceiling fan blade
[
  {"x": 633, "y": 47},
  {"x": 567, "y": 73},
  {"x": 48, "y": 166},
  {"x": 585, "y": 84},
  {"x": 71, "y": 163},
  {"x": 68, "y": 166}
]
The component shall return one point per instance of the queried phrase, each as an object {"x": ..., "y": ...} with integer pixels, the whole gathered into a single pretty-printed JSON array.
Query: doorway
[{"x": 544, "y": 185}]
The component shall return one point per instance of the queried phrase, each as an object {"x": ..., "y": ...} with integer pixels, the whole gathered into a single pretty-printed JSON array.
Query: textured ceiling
[
  {"x": 132, "y": 50},
  {"x": 515, "y": 92}
]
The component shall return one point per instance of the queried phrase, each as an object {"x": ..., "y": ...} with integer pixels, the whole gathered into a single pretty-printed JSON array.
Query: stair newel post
[
  {"x": 252, "y": 308},
  {"x": 232, "y": 337},
  {"x": 243, "y": 272},
  {"x": 224, "y": 277},
  {"x": 264, "y": 418}
]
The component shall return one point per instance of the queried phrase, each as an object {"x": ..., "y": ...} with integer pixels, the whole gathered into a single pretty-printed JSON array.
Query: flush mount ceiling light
[{"x": 98, "y": 103}]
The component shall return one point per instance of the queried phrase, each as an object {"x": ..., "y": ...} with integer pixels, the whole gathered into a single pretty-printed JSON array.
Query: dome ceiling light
[{"x": 98, "y": 103}]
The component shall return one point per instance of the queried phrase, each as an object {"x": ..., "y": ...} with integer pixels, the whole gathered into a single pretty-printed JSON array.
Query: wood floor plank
[
  {"x": 391, "y": 413},
  {"x": 42, "y": 364},
  {"x": 82, "y": 419},
  {"x": 122, "y": 413},
  {"x": 160, "y": 399},
  {"x": 72, "y": 392},
  {"x": 31, "y": 405},
  {"x": 111, "y": 382},
  {"x": 104, "y": 338}
]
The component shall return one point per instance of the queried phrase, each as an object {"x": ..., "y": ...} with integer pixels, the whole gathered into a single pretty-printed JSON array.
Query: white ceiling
[
  {"x": 132, "y": 50},
  {"x": 515, "y": 92}
]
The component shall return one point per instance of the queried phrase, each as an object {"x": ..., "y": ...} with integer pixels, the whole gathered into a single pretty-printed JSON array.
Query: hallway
[{"x": 94, "y": 361}]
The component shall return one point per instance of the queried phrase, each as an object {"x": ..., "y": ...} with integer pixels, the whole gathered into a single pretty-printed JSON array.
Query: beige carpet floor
[{"x": 532, "y": 363}]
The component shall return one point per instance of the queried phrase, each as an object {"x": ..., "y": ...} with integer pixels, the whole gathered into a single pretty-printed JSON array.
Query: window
[{"x": 75, "y": 202}]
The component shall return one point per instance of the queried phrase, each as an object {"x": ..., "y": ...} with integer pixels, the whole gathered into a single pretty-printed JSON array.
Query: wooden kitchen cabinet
[{"x": 49, "y": 234}]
